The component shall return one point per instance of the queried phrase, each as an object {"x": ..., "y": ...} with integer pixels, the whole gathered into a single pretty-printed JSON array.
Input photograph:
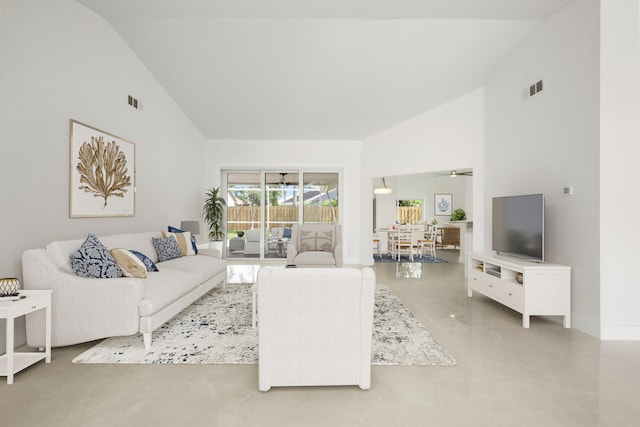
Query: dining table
[{"x": 392, "y": 231}]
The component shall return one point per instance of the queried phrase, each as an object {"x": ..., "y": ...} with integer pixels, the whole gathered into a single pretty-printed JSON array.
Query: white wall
[
  {"x": 619, "y": 195},
  {"x": 61, "y": 61},
  {"x": 341, "y": 156},
  {"x": 448, "y": 137},
  {"x": 543, "y": 143}
]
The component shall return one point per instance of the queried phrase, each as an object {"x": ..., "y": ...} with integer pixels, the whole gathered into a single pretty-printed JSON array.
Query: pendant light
[{"x": 382, "y": 190}]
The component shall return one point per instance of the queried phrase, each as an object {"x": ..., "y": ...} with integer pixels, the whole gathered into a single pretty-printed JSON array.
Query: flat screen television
[{"x": 518, "y": 226}]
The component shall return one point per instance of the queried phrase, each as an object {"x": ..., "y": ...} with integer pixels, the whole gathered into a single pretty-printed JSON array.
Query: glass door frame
[{"x": 262, "y": 172}]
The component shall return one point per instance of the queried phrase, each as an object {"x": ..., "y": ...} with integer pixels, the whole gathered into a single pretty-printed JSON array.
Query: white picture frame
[
  {"x": 442, "y": 204},
  {"x": 102, "y": 173}
]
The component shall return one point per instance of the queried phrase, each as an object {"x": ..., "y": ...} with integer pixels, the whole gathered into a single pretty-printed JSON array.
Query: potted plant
[
  {"x": 459, "y": 215},
  {"x": 213, "y": 211}
]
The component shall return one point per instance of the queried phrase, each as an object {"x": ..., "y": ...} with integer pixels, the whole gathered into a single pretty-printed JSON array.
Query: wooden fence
[
  {"x": 247, "y": 217},
  {"x": 408, "y": 214}
]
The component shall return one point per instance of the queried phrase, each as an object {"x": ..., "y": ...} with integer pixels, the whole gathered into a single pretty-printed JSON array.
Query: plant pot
[{"x": 217, "y": 244}]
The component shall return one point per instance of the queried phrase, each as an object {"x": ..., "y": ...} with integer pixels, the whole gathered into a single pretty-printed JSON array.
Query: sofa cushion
[
  {"x": 319, "y": 258},
  {"x": 164, "y": 288},
  {"x": 93, "y": 260},
  {"x": 131, "y": 265},
  {"x": 150, "y": 265},
  {"x": 61, "y": 249},
  {"x": 166, "y": 247},
  {"x": 142, "y": 243},
  {"x": 205, "y": 267},
  {"x": 184, "y": 241},
  {"x": 315, "y": 241}
]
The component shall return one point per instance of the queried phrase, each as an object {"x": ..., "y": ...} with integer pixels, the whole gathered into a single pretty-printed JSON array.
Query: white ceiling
[{"x": 318, "y": 69}]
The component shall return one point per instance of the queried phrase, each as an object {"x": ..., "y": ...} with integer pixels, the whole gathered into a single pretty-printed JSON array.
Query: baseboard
[
  {"x": 620, "y": 332},
  {"x": 611, "y": 332},
  {"x": 585, "y": 325}
]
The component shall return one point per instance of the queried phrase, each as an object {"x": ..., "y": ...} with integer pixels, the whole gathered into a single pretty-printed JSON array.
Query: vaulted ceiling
[{"x": 318, "y": 69}]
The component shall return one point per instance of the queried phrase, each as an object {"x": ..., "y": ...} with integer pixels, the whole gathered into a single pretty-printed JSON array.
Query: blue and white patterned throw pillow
[
  {"x": 166, "y": 247},
  {"x": 93, "y": 260},
  {"x": 151, "y": 266}
]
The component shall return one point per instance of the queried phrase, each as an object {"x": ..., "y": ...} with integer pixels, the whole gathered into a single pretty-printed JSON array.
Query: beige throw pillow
[{"x": 130, "y": 264}]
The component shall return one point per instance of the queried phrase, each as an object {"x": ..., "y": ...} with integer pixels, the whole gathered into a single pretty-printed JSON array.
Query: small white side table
[{"x": 12, "y": 362}]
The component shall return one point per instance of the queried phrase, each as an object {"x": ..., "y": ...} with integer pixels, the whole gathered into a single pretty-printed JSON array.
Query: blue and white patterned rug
[
  {"x": 216, "y": 329},
  {"x": 425, "y": 259}
]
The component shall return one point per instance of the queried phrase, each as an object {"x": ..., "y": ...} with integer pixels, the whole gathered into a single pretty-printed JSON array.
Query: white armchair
[
  {"x": 252, "y": 242},
  {"x": 315, "y": 245},
  {"x": 315, "y": 326}
]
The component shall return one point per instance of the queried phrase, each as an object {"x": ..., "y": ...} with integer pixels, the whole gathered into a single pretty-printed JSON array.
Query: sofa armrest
[
  {"x": 292, "y": 252},
  {"x": 215, "y": 253},
  {"x": 82, "y": 309},
  {"x": 337, "y": 254}
]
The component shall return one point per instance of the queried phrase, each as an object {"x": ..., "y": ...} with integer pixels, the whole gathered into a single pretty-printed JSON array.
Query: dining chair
[
  {"x": 403, "y": 244},
  {"x": 392, "y": 236},
  {"x": 418, "y": 231},
  {"x": 376, "y": 245},
  {"x": 428, "y": 242}
]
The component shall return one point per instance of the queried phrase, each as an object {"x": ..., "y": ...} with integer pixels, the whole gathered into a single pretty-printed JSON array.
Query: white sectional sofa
[{"x": 86, "y": 309}]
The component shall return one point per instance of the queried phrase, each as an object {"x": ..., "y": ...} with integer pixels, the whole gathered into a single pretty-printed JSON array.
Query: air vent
[
  {"x": 134, "y": 103},
  {"x": 536, "y": 88}
]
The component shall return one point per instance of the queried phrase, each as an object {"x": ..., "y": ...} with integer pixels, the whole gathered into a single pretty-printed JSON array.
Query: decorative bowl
[{"x": 9, "y": 286}]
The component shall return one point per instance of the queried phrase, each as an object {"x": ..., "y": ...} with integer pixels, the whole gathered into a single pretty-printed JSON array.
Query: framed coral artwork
[
  {"x": 442, "y": 204},
  {"x": 102, "y": 173}
]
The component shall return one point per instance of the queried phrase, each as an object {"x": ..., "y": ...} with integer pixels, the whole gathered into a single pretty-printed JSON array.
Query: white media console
[{"x": 530, "y": 288}]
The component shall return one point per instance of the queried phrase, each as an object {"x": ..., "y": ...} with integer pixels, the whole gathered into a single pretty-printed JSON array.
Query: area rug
[
  {"x": 425, "y": 259},
  {"x": 216, "y": 329}
]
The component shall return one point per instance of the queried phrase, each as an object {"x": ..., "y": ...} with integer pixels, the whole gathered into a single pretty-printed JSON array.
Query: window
[{"x": 409, "y": 211}]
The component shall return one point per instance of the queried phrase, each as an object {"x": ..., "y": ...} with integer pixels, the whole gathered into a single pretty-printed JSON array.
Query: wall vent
[
  {"x": 536, "y": 88},
  {"x": 134, "y": 103}
]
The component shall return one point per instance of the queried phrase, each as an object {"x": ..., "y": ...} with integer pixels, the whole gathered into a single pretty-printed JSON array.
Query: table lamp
[{"x": 191, "y": 226}]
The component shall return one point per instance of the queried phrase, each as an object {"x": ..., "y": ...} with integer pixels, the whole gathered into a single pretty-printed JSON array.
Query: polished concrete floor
[{"x": 506, "y": 376}]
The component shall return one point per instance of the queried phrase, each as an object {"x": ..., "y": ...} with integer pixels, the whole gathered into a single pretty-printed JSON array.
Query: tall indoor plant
[{"x": 213, "y": 211}]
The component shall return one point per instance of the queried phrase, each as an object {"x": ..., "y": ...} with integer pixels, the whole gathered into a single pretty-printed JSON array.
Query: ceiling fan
[
  {"x": 281, "y": 181},
  {"x": 455, "y": 173}
]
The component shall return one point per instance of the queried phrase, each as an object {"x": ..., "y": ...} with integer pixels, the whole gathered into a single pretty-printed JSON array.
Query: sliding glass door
[
  {"x": 244, "y": 209},
  {"x": 262, "y": 206},
  {"x": 282, "y": 196},
  {"x": 320, "y": 197}
]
